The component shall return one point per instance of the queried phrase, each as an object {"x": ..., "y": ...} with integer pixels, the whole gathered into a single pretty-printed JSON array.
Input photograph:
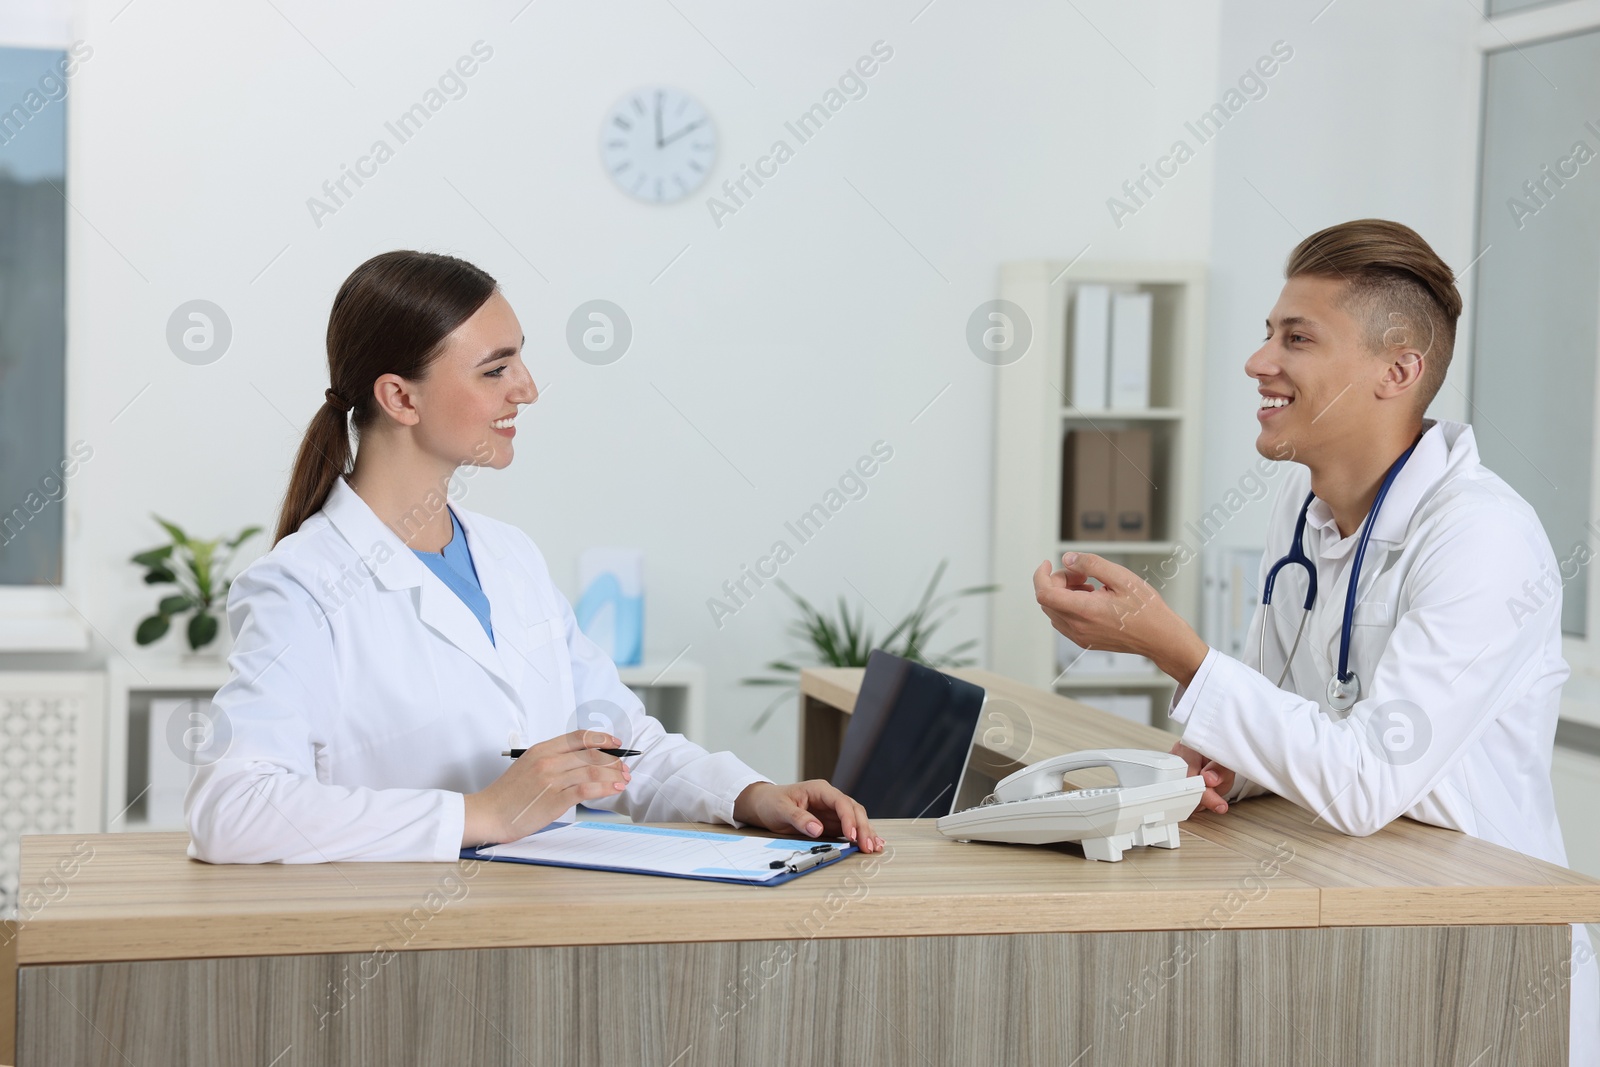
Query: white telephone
[{"x": 1033, "y": 807}]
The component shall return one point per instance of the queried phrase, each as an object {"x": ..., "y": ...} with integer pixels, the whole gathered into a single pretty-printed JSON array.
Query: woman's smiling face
[{"x": 466, "y": 404}]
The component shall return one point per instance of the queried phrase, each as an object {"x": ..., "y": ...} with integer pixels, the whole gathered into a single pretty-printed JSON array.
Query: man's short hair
[{"x": 1396, "y": 283}]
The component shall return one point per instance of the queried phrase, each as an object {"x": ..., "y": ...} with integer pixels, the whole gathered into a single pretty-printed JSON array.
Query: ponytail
[
  {"x": 324, "y": 455},
  {"x": 391, "y": 316}
]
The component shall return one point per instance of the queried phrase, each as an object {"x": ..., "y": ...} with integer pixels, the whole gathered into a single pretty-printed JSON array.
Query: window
[
  {"x": 1536, "y": 328},
  {"x": 32, "y": 315}
]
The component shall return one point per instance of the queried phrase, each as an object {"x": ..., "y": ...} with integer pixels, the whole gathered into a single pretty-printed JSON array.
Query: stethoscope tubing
[{"x": 1297, "y": 556}]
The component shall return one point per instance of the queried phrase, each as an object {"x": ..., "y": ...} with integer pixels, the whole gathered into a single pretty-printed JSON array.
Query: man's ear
[
  {"x": 1403, "y": 372},
  {"x": 1407, "y": 352}
]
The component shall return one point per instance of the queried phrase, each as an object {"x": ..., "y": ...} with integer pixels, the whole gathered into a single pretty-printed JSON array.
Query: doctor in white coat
[
  {"x": 1454, "y": 669},
  {"x": 391, "y": 645}
]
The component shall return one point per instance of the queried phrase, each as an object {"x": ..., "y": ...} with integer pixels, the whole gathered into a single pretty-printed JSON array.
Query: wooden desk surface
[
  {"x": 1266, "y": 864},
  {"x": 1407, "y": 874},
  {"x": 140, "y": 897}
]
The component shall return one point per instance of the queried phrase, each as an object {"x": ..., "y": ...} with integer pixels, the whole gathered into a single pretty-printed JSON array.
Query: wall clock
[{"x": 658, "y": 144}]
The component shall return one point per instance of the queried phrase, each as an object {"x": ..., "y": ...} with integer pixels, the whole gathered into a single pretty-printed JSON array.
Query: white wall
[
  {"x": 1375, "y": 116},
  {"x": 792, "y": 338}
]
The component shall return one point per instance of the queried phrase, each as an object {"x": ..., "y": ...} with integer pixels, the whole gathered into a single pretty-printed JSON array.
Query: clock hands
[
  {"x": 658, "y": 172},
  {"x": 662, "y": 144}
]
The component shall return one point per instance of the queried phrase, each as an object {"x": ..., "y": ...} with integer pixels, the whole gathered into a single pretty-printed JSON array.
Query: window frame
[
  {"x": 48, "y": 618},
  {"x": 1502, "y": 33}
]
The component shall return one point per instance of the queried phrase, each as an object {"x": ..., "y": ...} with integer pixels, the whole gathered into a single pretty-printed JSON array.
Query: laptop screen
[{"x": 908, "y": 739}]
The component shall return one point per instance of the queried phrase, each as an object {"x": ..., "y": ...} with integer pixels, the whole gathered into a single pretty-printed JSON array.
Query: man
[{"x": 1445, "y": 708}]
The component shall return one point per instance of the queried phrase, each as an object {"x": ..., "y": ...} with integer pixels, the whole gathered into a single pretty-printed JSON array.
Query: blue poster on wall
[{"x": 610, "y": 606}]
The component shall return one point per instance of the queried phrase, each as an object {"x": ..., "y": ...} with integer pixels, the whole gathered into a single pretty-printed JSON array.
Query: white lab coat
[
  {"x": 1444, "y": 621},
  {"x": 366, "y": 699}
]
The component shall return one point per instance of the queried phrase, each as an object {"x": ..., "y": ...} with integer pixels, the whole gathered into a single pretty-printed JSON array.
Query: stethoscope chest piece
[{"x": 1343, "y": 693}]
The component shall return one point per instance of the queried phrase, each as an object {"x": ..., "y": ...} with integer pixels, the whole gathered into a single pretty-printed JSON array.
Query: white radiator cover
[{"x": 52, "y": 730}]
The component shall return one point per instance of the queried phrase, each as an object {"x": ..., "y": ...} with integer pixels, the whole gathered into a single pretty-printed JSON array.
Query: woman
[{"x": 390, "y": 646}]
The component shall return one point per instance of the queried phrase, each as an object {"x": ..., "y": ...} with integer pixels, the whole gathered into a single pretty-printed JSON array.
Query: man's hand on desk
[
  {"x": 1124, "y": 613},
  {"x": 811, "y": 807},
  {"x": 1219, "y": 779}
]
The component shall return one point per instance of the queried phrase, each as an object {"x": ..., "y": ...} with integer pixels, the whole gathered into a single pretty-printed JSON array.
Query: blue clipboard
[{"x": 800, "y": 857}]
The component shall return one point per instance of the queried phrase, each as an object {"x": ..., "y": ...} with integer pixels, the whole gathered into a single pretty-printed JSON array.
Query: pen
[{"x": 516, "y": 753}]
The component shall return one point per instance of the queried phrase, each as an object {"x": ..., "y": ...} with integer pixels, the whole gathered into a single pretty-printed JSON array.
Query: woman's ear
[{"x": 396, "y": 398}]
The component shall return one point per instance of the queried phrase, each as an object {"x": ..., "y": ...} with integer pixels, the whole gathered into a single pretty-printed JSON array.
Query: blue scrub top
[{"x": 454, "y": 567}]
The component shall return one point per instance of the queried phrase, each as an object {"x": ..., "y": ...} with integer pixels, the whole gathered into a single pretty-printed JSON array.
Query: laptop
[{"x": 905, "y": 751}]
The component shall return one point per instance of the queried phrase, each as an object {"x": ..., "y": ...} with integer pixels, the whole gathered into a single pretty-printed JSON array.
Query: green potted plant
[
  {"x": 199, "y": 570},
  {"x": 847, "y": 641}
]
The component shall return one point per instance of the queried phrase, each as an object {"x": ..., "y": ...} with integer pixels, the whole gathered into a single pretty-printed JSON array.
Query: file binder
[
  {"x": 1129, "y": 387},
  {"x": 703, "y": 855},
  {"x": 1091, "y": 341}
]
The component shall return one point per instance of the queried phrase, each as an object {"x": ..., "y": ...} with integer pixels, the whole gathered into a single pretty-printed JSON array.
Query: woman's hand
[
  {"x": 543, "y": 783},
  {"x": 1218, "y": 779},
  {"x": 810, "y": 808}
]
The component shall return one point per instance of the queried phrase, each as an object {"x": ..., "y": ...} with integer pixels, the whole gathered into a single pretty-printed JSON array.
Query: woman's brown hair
[{"x": 391, "y": 316}]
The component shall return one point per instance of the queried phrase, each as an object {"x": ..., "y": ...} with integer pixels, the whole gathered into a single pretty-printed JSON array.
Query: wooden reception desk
[{"x": 1264, "y": 939}]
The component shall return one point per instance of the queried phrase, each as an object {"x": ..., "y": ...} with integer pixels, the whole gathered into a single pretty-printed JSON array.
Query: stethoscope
[{"x": 1344, "y": 688}]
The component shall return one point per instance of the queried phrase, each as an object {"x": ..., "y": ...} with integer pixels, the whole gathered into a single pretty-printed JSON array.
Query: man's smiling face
[{"x": 1318, "y": 379}]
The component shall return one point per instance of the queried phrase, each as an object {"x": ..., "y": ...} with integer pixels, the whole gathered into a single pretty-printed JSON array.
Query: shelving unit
[
  {"x": 1113, "y": 680},
  {"x": 130, "y": 687},
  {"x": 674, "y": 693},
  {"x": 1033, "y": 413}
]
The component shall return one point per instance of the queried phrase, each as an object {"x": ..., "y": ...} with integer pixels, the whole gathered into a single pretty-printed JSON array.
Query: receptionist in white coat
[
  {"x": 392, "y": 644},
  {"x": 1436, "y": 695}
]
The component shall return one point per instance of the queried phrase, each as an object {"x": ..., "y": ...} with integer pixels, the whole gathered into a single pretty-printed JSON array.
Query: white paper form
[{"x": 659, "y": 850}]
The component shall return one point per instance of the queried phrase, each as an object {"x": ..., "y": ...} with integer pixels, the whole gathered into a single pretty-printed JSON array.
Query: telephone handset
[
  {"x": 1133, "y": 766},
  {"x": 1034, "y": 806}
]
